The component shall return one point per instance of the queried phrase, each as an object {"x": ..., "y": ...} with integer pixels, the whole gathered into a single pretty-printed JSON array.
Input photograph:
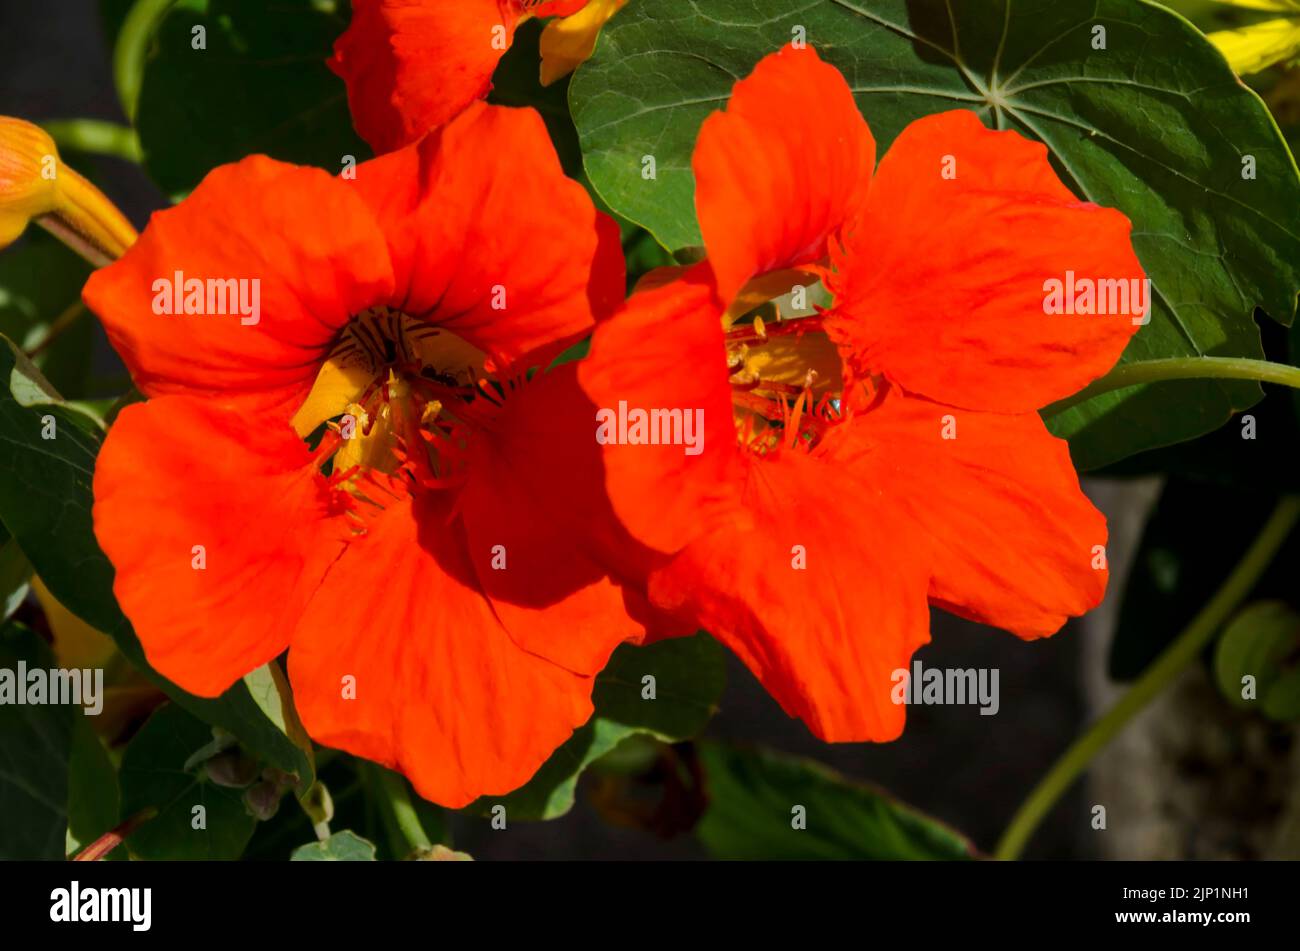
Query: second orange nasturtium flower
[
  {"x": 328, "y": 462},
  {"x": 886, "y": 454},
  {"x": 412, "y": 65}
]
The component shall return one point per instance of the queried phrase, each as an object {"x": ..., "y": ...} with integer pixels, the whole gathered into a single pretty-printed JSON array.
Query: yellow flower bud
[
  {"x": 28, "y": 176},
  {"x": 35, "y": 185},
  {"x": 567, "y": 42}
]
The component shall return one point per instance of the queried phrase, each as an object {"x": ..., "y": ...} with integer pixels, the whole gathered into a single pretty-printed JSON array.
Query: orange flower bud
[
  {"x": 28, "y": 176},
  {"x": 36, "y": 185}
]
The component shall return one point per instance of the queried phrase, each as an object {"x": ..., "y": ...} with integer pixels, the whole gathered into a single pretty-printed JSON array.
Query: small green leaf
[
  {"x": 260, "y": 86},
  {"x": 1261, "y": 643},
  {"x": 758, "y": 800},
  {"x": 197, "y": 819},
  {"x": 342, "y": 846},
  {"x": 688, "y": 673}
]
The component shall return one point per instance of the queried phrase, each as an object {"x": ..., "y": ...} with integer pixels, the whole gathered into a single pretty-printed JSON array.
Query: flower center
[
  {"x": 786, "y": 382},
  {"x": 398, "y": 399}
]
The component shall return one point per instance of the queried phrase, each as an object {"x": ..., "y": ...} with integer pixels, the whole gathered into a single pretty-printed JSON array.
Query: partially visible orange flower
[
  {"x": 412, "y": 65},
  {"x": 35, "y": 185},
  {"x": 327, "y": 460},
  {"x": 859, "y": 465}
]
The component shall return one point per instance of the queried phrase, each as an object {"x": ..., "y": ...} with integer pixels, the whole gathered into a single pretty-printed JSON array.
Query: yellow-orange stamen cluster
[
  {"x": 780, "y": 401},
  {"x": 400, "y": 400}
]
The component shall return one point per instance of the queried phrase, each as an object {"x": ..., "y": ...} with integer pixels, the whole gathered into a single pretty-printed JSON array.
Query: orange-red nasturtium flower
[
  {"x": 885, "y": 454},
  {"x": 411, "y": 65},
  {"x": 435, "y": 620}
]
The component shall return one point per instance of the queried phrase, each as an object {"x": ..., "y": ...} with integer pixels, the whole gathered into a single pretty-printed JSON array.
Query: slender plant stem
[
  {"x": 402, "y": 810},
  {"x": 106, "y": 843},
  {"x": 129, "y": 51},
  {"x": 1185, "y": 649},
  {"x": 62, "y": 323},
  {"x": 1181, "y": 368}
]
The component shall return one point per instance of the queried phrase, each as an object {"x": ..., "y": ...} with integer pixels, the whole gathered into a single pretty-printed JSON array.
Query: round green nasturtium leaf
[
  {"x": 196, "y": 818},
  {"x": 342, "y": 846},
  {"x": 1257, "y": 661},
  {"x": 1138, "y": 111},
  {"x": 766, "y": 805}
]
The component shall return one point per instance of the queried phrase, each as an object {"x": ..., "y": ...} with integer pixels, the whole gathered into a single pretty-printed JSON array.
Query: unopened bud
[
  {"x": 28, "y": 176},
  {"x": 36, "y": 186}
]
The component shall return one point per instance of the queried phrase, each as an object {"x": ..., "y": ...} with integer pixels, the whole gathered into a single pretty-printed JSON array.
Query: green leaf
[
  {"x": 40, "y": 282},
  {"x": 46, "y": 499},
  {"x": 755, "y": 798},
  {"x": 34, "y": 744},
  {"x": 93, "y": 795},
  {"x": 689, "y": 675},
  {"x": 45, "y": 489},
  {"x": 1155, "y": 125},
  {"x": 342, "y": 846},
  {"x": 1262, "y": 642},
  {"x": 270, "y": 692},
  {"x": 261, "y": 86},
  {"x": 15, "y": 571},
  {"x": 153, "y": 775}
]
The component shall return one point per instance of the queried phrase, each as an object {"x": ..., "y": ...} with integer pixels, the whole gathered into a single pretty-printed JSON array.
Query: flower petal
[
  {"x": 441, "y": 692},
  {"x": 490, "y": 239},
  {"x": 546, "y": 546},
  {"x": 413, "y": 65},
  {"x": 178, "y": 472},
  {"x": 824, "y": 601},
  {"x": 312, "y": 248},
  {"x": 781, "y": 170},
  {"x": 942, "y": 285},
  {"x": 665, "y": 350},
  {"x": 1015, "y": 542}
]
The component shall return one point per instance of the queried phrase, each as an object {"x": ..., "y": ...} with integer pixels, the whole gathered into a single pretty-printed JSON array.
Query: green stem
[
  {"x": 129, "y": 51},
  {"x": 402, "y": 810},
  {"x": 70, "y": 315},
  {"x": 1185, "y": 649},
  {"x": 96, "y": 137},
  {"x": 1181, "y": 368}
]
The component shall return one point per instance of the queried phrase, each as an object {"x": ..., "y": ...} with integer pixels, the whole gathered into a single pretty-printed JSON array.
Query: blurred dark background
[{"x": 968, "y": 770}]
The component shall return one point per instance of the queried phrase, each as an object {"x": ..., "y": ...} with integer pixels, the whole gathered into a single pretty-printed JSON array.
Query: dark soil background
[{"x": 968, "y": 770}]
